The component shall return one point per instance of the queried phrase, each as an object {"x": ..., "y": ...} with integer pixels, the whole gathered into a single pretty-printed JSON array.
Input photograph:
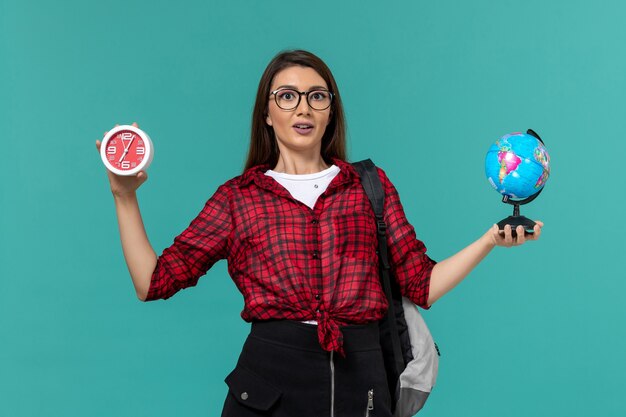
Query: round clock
[{"x": 126, "y": 150}]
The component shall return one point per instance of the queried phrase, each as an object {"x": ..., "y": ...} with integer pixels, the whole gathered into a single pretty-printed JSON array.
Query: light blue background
[{"x": 427, "y": 86}]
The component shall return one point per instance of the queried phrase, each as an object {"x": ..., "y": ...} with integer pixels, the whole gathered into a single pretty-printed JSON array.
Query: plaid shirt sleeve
[
  {"x": 195, "y": 250},
  {"x": 409, "y": 262}
]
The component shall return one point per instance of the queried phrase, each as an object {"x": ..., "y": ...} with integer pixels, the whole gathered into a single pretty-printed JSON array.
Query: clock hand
[{"x": 126, "y": 149}]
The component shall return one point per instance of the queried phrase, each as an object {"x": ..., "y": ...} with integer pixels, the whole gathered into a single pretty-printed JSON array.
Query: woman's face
[{"x": 301, "y": 129}]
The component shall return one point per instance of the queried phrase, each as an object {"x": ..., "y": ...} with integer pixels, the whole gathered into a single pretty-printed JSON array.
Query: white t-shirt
[{"x": 305, "y": 187}]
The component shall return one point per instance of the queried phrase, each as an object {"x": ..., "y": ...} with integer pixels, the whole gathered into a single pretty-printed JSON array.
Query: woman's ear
[{"x": 268, "y": 120}]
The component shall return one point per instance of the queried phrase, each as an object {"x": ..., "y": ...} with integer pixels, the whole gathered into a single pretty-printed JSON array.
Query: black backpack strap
[{"x": 374, "y": 190}]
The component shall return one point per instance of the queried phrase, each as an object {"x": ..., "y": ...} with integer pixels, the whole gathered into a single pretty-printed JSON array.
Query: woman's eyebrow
[{"x": 293, "y": 87}]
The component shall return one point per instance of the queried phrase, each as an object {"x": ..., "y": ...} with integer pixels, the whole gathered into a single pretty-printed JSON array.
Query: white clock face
[{"x": 126, "y": 150}]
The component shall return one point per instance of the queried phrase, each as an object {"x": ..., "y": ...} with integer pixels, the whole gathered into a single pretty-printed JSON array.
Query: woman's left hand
[
  {"x": 505, "y": 238},
  {"x": 449, "y": 272}
]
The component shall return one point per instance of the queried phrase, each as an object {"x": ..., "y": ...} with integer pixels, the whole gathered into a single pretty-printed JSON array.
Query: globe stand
[{"x": 516, "y": 219}]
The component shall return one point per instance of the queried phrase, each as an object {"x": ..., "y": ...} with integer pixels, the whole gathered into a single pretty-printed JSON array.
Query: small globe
[{"x": 517, "y": 165}]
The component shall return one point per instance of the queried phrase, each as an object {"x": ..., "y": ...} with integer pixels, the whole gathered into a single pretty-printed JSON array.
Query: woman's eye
[
  {"x": 286, "y": 95},
  {"x": 318, "y": 95}
]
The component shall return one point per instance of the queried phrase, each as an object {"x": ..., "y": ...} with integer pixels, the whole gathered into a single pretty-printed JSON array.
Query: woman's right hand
[
  {"x": 122, "y": 186},
  {"x": 138, "y": 252}
]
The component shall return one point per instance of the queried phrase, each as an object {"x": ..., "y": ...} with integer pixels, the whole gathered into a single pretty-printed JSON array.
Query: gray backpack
[{"x": 411, "y": 356}]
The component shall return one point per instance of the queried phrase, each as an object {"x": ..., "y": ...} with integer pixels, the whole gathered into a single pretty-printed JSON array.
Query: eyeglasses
[{"x": 288, "y": 99}]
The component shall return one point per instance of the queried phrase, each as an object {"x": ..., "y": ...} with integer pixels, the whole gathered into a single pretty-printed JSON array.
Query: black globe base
[{"x": 515, "y": 221}]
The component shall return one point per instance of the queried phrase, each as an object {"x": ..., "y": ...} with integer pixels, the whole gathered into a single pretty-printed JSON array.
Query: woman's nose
[{"x": 303, "y": 107}]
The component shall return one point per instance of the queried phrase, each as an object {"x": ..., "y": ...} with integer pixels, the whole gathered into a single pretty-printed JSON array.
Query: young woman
[{"x": 298, "y": 232}]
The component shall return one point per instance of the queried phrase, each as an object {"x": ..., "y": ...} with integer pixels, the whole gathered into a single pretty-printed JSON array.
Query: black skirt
[{"x": 283, "y": 372}]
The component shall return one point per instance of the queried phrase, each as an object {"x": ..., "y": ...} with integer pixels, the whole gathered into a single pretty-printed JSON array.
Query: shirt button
[
  {"x": 314, "y": 221},
  {"x": 317, "y": 296},
  {"x": 244, "y": 396},
  {"x": 316, "y": 254}
]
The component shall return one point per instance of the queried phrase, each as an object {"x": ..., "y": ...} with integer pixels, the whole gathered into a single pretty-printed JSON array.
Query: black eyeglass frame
[{"x": 300, "y": 94}]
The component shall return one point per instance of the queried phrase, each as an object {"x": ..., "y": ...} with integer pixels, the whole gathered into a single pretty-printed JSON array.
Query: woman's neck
[{"x": 300, "y": 164}]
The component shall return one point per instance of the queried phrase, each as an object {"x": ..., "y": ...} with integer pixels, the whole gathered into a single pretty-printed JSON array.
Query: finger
[
  {"x": 501, "y": 233},
  {"x": 521, "y": 235},
  {"x": 508, "y": 236},
  {"x": 539, "y": 222},
  {"x": 537, "y": 230},
  {"x": 98, "y": 143},
  {"x": 142, "y": 176},
  {"x": 117, "y": 124},
  {"x": 135, "y": 124}
]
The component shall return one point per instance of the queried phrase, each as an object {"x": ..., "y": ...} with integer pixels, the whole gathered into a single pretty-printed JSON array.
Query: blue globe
[{"x": 517, "y": 165}]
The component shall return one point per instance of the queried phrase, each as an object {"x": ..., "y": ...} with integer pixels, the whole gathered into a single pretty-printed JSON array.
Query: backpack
[{"x": 410, "y": 354}]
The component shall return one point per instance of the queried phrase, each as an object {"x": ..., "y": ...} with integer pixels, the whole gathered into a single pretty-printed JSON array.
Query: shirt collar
[{"x": 347, "y": 174}]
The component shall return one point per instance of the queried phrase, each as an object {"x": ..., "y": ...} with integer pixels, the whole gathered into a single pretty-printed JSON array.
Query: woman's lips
[{"x": 303, "y": 129}]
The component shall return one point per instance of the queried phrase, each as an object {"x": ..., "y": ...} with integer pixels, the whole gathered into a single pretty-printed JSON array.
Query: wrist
[
  {"x": 489, "y": 238},
  {"x": 125, "y": 197}
]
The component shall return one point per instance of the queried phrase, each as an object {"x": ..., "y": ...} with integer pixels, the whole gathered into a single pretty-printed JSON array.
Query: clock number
[
  {"x": 125, "y": 165},
  {"x": 127, "y": 139},
  {"x": 141, "y": 151},
  {"x": 111, "y": 150}
]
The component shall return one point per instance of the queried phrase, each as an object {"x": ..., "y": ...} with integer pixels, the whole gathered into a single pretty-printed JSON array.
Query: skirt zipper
[
  {"x": 370, "y": 403},
  {"x": 332, "y": 385}
]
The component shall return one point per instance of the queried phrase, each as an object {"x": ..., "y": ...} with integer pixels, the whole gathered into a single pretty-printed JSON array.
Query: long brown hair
[{"x": 263, "y": 148}]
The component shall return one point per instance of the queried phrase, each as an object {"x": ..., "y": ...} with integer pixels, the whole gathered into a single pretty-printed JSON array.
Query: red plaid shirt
[{"x": 296, "y": 263}]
